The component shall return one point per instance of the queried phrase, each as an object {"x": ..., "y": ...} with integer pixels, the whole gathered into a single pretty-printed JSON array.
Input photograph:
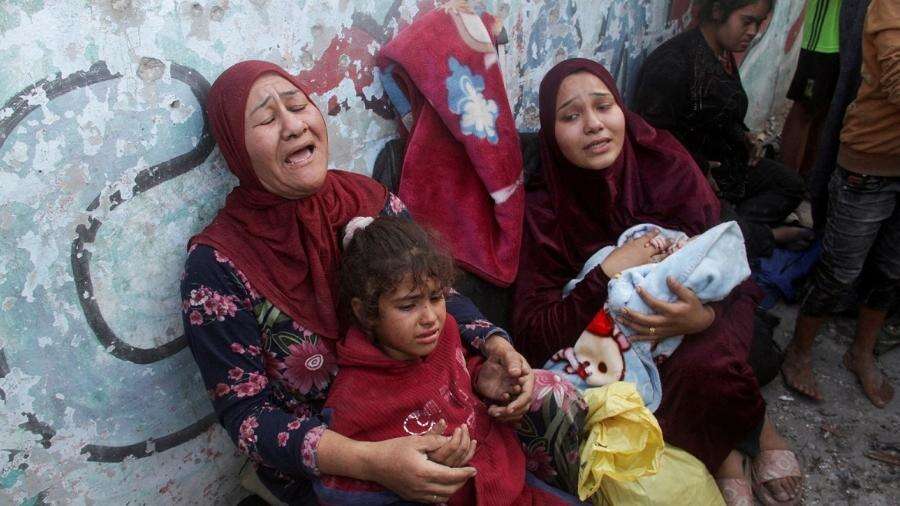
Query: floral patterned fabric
[
  {"x": 268, "y": 376},
  {"x": 477, "y": 115},
  {"x": 551, "y": 431}
]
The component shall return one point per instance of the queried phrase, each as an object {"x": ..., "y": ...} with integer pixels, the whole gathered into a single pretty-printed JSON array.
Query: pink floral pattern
[
  {"x": 395, "y": 205},
  {"x": 308, "y": 449},
  {"x": 309, "y": 364},
  {"x": 548, "y": 383},
  {"x": 538, "y": 462},
  {"x": 206, "y": 304}
]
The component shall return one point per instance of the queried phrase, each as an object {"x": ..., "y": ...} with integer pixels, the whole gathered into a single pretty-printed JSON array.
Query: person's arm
[
  {"x": 887, "y": 48},
  {"x": 400, "y": 465},
  {"x": 543, "y": 321},
  {"x": 224, "y": 339}
]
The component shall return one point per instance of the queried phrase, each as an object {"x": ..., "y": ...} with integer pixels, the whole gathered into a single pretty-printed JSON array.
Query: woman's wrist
[
  {"x": 342, "y": 456},
  {"x": 495, "y": 343}
]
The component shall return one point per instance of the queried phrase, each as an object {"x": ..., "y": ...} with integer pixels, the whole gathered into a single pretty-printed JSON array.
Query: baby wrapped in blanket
[{"x": 710, "y": 264}]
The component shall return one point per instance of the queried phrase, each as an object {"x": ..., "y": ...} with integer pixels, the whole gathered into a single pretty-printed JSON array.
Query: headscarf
[
  {"x": 288, "y": 249},
  {"x": 654, "y": 180}
]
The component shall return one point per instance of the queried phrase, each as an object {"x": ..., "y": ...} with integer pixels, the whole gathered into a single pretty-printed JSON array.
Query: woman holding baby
[{"x": 604, "y": 170}]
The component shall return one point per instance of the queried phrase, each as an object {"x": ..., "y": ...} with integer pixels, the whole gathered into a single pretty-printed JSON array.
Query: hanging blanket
[{"x": 462, "y": 171}]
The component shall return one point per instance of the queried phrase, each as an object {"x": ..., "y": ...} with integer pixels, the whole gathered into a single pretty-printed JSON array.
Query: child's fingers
[
  {"x": 438, "y": 428},
  {"x": 459, "y": 454},
  {"x": 471, "y": 452}
]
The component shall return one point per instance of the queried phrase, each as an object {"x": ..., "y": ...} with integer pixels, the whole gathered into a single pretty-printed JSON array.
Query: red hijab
[
  {"x": 654, "y": 180},
  {"x": 287, "y": 248}
]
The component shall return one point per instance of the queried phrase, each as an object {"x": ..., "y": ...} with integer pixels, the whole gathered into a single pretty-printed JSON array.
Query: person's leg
[
  {"x": 788, "y": 487},
  {"x": 857, "y": 209},
  {"x": 773, "y": 192},
  {"x": 880, "y": 285},
  {"x": 711, "y": 400},
  {"x": 796, "y": 135},
  {"x": 797, "y": 366},
  {"x": 757, "y": 237}
]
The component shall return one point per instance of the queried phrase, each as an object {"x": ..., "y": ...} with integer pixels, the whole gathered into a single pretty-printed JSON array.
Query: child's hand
[
  {"x": 456, "y": 452},
  {"x": 495, "y": 384}
]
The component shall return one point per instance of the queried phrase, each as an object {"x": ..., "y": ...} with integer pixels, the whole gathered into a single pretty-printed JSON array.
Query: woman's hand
[
  {"x": 500, "y": 351},
  {"x": 685, "y": 316},
  {"x": 638, "y": 251},
  {"x": 402, "y": 466}
]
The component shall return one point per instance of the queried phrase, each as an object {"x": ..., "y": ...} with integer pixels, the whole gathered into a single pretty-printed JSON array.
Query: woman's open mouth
[
  {"x": 598, "y": 147},
  {"x": 302, "y": 156}
]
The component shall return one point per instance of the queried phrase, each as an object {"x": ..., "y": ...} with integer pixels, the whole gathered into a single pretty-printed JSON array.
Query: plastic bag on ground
[{"x": 624, "y": 459}]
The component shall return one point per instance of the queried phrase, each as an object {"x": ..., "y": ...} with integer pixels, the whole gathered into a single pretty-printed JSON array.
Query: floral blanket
[{"x": 462, "y": 170}]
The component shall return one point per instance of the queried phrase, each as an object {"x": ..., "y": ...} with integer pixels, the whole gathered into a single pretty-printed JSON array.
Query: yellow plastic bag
[
  {"x": 624, "y": 441},
  {"x": 624, "y": 459},
  {"x": 681, "y": 479}
]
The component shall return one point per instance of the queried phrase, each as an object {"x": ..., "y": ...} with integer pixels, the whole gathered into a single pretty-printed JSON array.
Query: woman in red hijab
[
  {"x": 260, "y": 289},
  {"x": 603, "y": 170}
]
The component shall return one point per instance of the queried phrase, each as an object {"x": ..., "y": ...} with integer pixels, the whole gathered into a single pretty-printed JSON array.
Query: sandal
[
  {"x": 737, "y": 491},
  {"x": 774, "y": 465}
]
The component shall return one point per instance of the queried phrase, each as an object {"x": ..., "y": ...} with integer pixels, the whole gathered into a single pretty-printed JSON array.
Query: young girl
[{"x": 404, "y": 372}]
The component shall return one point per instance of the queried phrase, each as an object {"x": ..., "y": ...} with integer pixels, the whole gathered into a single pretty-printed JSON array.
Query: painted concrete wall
[{"x": 107, "y": 167}]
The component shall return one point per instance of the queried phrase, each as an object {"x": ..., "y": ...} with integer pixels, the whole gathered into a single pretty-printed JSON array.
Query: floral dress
[{"x": 267, "y": 375}]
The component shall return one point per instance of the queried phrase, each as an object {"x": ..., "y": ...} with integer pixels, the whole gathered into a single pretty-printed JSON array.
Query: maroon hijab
[
  {"x": 287, "y": 248},
  {"x": 654, "y": 180}
]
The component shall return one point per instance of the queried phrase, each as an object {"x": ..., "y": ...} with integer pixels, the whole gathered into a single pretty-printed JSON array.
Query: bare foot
[
  {"x": 793, "y": 238},
  {"x": 873, "y": 382},
  {"x": 797, "y": 372},
  {"x": 783, "y": 489}
]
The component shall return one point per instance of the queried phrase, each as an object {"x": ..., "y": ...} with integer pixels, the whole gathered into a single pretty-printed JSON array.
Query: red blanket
[{"x": 462, "y": 171}]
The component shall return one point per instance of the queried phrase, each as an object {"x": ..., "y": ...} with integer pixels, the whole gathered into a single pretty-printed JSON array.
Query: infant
[{"x": 710, "y": 264}]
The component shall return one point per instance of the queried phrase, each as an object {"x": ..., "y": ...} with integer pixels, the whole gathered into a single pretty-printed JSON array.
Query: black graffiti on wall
[
  {"x": 352, "y": 43},
  {"x": 81, "y": 257}
]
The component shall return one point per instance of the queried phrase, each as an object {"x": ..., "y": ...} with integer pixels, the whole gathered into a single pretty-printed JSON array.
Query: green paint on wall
[
  {"x": 91, "y": 51},
  {"x": 9, "y": 479}
]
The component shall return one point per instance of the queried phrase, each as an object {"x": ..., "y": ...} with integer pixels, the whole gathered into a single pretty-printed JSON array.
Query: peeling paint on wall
[{"x": 107, "y": 167}]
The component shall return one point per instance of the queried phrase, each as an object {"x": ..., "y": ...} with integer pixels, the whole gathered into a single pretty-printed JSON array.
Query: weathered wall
[{"x": 107, "y": 167}]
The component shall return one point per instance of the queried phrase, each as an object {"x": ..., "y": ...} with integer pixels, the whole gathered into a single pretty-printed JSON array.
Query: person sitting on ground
[
  {"x": 862, "y": 230},
  {"x": 259, "y": 297},
  {"x": 603, "y": 170},
  {"x": 404, "y": 372},
  {"x": 691, "y": 87}
]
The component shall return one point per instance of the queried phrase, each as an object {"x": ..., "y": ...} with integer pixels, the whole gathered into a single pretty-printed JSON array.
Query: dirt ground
[{"x": 838, "y": 440}]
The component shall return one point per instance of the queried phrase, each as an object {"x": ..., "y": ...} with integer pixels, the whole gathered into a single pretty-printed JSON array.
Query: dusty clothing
[
  {"x": 861, "y": 241},
  {"x": 773, "y": 191},
  {"x": 870, "y": 139},
  {"x": 571, "y": 214}
]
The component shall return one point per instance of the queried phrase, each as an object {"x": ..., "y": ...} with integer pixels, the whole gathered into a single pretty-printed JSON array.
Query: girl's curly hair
[{"x": 380, "y": 256}]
